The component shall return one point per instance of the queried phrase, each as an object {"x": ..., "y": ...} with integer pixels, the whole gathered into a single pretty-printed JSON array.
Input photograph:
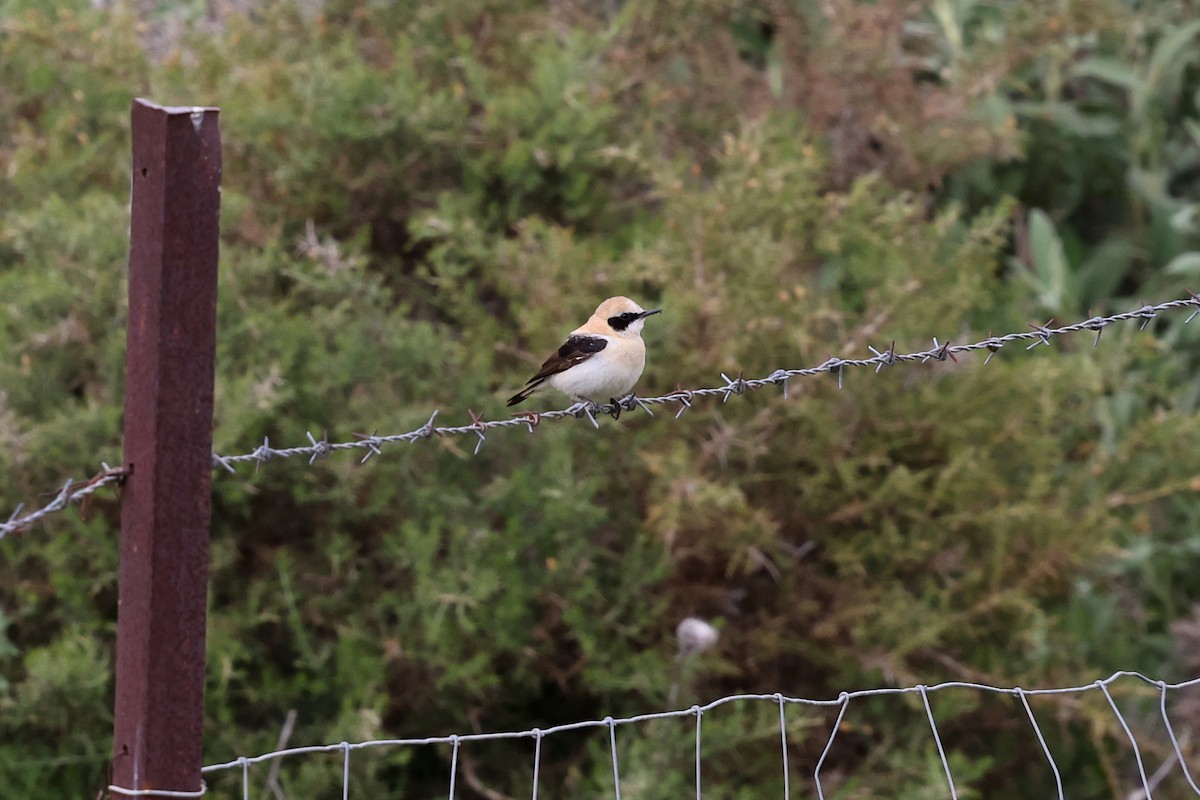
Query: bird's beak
[{"x": 651, "y": 312}]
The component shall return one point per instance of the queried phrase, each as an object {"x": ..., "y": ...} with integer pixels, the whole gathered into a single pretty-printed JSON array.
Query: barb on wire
[
  {"x": 63, "y": 497},
  {"x": 685, "y": 398}
]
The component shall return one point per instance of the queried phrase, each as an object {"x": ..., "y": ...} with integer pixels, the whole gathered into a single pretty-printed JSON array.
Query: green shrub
[{"x": 420, "y": 200}]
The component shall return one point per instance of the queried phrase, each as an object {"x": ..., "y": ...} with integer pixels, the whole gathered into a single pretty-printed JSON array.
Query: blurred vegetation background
[{"x": 421, "y": 198}]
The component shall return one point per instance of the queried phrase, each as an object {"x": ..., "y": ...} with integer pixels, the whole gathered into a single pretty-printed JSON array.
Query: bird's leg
[{"x": 616, "y": 408}]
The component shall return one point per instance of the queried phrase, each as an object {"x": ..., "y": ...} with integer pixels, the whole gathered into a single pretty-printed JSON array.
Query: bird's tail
[{"x": 524, "y": 394}]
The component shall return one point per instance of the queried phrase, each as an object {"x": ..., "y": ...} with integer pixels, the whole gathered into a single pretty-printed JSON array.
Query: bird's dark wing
[{"x": 575, "y": 350}]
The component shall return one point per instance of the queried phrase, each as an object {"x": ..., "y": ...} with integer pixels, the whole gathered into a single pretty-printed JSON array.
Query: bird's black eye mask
[{"x": 623, "y": 321}]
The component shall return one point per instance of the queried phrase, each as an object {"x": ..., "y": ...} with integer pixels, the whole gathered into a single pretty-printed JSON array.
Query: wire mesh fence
[{"x": 794, "y": 783}]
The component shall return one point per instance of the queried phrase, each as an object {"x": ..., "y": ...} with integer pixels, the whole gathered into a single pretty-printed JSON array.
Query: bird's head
[{"x": 623, "y": 316}]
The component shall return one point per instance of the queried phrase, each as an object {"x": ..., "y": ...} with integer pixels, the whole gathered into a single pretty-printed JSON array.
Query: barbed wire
[
  {"x": 1039, "y": 335},
  {"x": 841, "y": 703},
  {"x": 373, "y": 443},
  {"x": 70, "y": 491}
]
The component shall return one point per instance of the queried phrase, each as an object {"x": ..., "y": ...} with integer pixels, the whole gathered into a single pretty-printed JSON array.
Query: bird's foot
[
  {"x": 586, "y": 408},
  {"x": 615, "y": 411}
]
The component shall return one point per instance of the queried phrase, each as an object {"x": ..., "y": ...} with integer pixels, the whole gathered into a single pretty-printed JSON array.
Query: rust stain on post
[{"x": 166, "y": 503}]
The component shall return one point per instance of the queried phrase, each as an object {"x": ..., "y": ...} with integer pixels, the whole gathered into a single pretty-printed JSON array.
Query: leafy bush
[{"x": 420, "y": 199}]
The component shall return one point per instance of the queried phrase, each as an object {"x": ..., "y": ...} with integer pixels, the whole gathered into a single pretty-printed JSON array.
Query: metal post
[{"x": 166, "y": 504}]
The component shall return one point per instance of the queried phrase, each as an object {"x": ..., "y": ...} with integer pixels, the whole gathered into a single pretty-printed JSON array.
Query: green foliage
[
  {"x": 1110, "y": 155},
  {"x": 420, "y": 199}
]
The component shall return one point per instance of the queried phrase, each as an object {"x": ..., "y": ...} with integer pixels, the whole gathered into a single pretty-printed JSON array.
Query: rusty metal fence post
[{"x": 166, "y": 502}]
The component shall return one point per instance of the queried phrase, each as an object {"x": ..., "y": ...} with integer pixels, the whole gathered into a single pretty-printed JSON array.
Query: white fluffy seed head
[{"x": 695, "y": 635}]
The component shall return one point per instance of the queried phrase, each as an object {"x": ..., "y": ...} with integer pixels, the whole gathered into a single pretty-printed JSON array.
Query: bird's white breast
[{"x": 611, "y": 373}]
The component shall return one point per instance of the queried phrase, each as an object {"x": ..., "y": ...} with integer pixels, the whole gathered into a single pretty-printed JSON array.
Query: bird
[{"x": 601, "y": 359}]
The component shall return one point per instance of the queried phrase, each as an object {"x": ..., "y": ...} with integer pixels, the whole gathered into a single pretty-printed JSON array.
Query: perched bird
[{"x": 602, "y": 359}]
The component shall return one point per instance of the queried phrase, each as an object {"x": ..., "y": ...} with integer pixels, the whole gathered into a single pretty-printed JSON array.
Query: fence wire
[
  {"x": 841, "y": 703},
  {"x": 71, "y": 490},
  {"x": 683, "y": 398}
]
